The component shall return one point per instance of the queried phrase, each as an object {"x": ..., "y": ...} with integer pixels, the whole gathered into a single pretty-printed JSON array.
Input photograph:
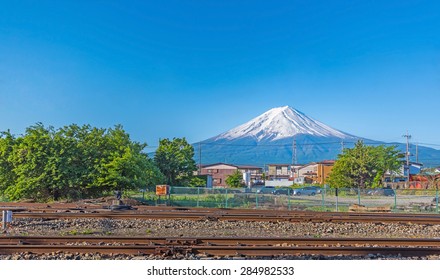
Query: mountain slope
[
  {"x": 280, "y": 123},
  {"x": 274, "y": 136}
]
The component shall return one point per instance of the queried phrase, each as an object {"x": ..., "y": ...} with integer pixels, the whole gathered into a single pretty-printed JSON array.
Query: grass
[
  {"x": 87, "y": 231},
  {"x": 327, "y": 208},
  {"x": 209, "y": 200},
  {"x": 76, "y": 232}
]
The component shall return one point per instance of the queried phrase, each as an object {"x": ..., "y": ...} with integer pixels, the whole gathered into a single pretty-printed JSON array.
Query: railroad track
[
  {"x": 92, "y": 211},
  {"x": 247, "y": 247},
  {"x": 240, "y": 216}
]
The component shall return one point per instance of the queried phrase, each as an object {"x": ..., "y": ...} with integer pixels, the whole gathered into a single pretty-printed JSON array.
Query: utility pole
[
  {"x": 200, "y": 158},
  {"x": 292, "y": 168},
  {"x": 294, "y": 152},
  {"x": 407, "y": 136},
  {"x": 417, "y": 152}
]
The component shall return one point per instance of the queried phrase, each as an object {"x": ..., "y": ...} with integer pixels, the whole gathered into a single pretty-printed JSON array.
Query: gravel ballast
[{"x": 209, "y": 228}]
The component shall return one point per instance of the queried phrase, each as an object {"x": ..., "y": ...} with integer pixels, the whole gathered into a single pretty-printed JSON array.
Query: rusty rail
[
  {"x": 217, "y": 241},
  {"x": 237, "y": 216},
  {"x": 71, "y": 211},
  {"x": 220, "y": 246}
]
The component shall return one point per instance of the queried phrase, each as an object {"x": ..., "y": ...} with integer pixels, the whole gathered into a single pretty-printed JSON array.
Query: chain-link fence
[{"x": 343, "y": 199}]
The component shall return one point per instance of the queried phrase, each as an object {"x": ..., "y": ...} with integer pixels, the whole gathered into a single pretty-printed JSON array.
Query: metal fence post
[
  {"x": 395, "y": 200},
  {"x": 198, "y": 196},
  {"x": 226, "y": 200},
  {"x": 4, "y": 220},
  {"x": 436, "y": 200},
  {"x": 336, "y": 193},
  {"x": 169, "y": 197},
  {"x": 256, "y": 200},
  {"x": 359, "y": 196},
  {"x": 288, "y": 198},
  {"x": 322, "y": 199}
]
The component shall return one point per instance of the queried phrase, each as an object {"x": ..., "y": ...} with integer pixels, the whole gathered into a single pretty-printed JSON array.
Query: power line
[
  {"x": 428, "y": 144},
  {"x": 302, "y": 144},
  {"x": 267, "y": 145},
  {"x": 342, "y": 144}
]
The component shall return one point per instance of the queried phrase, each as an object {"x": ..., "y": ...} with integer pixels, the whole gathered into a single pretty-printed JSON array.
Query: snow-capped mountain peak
[
  {"x": 279, "y": 123},
  {"x": 284, "y": 135}
]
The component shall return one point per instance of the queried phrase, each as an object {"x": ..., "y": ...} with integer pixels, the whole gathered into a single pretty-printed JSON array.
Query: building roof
[
  {"x": 308, "y": 164},
  {"x": 327, "y": 161},
  {"x": 412, "y": 163},
  {"x": 218, "y": 163},
  {"x": 248, "y": 167}
]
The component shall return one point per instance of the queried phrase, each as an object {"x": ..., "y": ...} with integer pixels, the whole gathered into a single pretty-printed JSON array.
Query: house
[
  {"x": 402, "y": 174},
  {"x": 315, "y": 172},
  {"x": 294, "y": 171},
  {"x": 220, "y": 171},
  {"x": 278, "y": 175},
  {"x": 307, "y": 173},
  {"x": 414, "y": 168},
  {"x": 278, "y": 171},
  {"x": 324, "y": 169}
]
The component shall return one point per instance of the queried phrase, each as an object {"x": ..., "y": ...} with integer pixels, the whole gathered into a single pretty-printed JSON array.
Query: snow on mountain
[
  {"x": 269, "y": 138},
  {"x": 279, "y": 123}
]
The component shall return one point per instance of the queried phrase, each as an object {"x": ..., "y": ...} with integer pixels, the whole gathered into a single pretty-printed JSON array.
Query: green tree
[
  {"x": 387, "y": 159},
  {"x": 364, "y": 166},
  {"x": 7, "y": 174},
  {"x": 114, "y": 162},
  {"x": 131, "y": 170},
  {"x": 73, "y": 162},
  {"x": 175, "y": 159},
  {"x": 198, "y": 181},
  {"x": 235, "y": 180},
  {"x": 33, "y": 162}
]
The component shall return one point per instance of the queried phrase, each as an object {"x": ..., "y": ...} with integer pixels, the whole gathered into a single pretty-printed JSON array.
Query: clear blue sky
[{"x": 195, "y": 69}]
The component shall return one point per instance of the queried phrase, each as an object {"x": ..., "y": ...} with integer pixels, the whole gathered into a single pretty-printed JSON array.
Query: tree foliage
[
  {"x": 198, "y": 181},
  {"x": 235, "y": 180},
  {"x": 175, "y": 159},
  {"x": 7, "y": 174},
  {"x": 364, "y": 166},
  {"x": 72, "y": 162}
]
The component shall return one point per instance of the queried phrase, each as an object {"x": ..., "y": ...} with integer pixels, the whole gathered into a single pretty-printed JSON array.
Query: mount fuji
[
  {"x": 284, "y": 135},
  {"x": 281, "y": 123}
]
